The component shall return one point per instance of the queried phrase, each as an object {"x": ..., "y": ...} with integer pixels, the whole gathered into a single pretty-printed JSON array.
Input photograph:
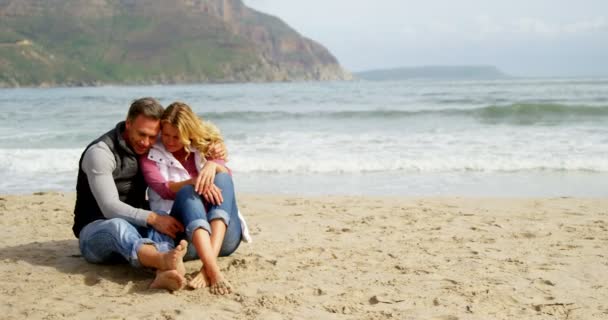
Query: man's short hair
[{"x": 148, "y": 107}]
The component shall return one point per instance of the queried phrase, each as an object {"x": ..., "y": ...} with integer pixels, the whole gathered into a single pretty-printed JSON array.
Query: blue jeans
[
  {"x": 189, "y": 209},
  {"x": 116, "y": 240}
]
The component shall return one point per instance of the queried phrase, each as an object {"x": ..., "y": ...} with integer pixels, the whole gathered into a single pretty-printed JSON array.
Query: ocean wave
[
  {"x": 518, "y": 113},
  {"x": 31, "y": 162},
  {"x": 56, "y": 169},
  {"x": 542, "y": 111},
  {"x": 352, "y": 165},
  {"x": 39, "y": 161}
]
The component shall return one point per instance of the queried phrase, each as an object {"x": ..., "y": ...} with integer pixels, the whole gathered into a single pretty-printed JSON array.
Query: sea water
[{"x": 515, "y": 137}]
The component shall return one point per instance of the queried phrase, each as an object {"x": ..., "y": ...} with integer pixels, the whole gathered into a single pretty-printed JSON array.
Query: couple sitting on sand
[{"x": 190, "y": 191}]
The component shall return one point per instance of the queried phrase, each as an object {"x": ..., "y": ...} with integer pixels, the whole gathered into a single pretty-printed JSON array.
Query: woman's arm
[
  {"x": 166, "y": 189},
  {"x": 155, "y": 180},
  {"x": 204, "y": 182},
  {"x": 175, "y": 186},
  {"x": 207, "y": 174},
  {"x": 221, "y": 166}
]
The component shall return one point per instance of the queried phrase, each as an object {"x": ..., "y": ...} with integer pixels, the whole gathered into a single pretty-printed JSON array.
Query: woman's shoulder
[{"x": 158, "y": 152}]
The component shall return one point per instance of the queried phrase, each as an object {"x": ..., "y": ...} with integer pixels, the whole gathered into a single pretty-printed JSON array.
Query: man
[{"x": 110, "y": 216}]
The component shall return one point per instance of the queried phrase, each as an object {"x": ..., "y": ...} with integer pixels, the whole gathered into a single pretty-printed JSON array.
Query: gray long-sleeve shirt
[{"x": 98, "y": 163}]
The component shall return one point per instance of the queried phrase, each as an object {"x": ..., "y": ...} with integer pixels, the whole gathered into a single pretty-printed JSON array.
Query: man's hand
[
  {"x": 165, "y": 224},
  {"x": 217, "y": 151},
  {"x": 213, "y": 195}
]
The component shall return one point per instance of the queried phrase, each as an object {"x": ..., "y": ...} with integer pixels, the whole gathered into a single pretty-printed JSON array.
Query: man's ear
[{"x": 128, "y": 124}]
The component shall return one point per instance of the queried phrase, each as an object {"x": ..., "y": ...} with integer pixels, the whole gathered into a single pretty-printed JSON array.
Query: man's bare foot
[
  {"x": 217, "y": 283},
  {"x": 169, "y": 279},
  {"x": 199, "y": 281},
  {"x": 174, "y": 259}
]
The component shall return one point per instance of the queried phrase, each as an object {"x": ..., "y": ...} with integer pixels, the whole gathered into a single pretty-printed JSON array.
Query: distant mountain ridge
[
  {"x": 433, "y": 72},
  {"x": 89, "y": 42}
]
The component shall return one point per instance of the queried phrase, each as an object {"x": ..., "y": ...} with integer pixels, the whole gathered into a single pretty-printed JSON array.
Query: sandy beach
[{"x": 333, "y": 258}]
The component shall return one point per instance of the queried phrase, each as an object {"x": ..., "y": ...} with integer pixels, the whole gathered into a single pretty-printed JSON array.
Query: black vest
[{"x": 129, "y": 180}]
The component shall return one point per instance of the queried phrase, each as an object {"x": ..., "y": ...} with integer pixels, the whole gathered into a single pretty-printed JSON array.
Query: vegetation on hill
[{"x": 89, "y": 42}]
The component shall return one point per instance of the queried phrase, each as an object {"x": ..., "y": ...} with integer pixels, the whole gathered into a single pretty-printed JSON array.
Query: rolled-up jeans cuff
[
  {"x": 161, "y": 247},
  {"x": 219, "y": 214},
  {"x": 198, "y": 223}
]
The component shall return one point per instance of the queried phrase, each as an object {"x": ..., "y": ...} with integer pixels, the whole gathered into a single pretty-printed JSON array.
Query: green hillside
[{"x": 87, "y": 42}]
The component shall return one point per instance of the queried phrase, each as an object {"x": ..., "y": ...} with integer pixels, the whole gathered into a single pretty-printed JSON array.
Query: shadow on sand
[{"x": 64, "y": 256}]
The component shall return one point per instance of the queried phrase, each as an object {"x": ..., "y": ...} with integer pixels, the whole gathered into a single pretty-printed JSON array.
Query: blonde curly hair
[{"x": 193, "y": 131}]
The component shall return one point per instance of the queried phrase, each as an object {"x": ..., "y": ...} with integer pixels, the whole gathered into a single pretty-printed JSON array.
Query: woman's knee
[
  {"x": 229, "y": 247},
  {"x": 223, "y": 180},
  {"x": 186, "y": 196},
  {"x": 185, "y": 191}
]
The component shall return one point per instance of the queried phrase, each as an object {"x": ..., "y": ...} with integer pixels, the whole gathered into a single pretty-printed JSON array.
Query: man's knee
[
  {"x": 118, "y": 226},
  {"x": 101, "y": 240}
]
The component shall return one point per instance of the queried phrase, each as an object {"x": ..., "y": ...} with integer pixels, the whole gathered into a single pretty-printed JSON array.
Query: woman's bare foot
[
  {"x": 221, "y": 287},
  {"x": 199, "y": 281},
  {"x": 169, "y": 279},
  {"x": 217, "y": 283},
  {"x": 174, "y": 259}
]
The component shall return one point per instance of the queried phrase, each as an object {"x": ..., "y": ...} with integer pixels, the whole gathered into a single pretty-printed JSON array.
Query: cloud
[
  {"x": 594, "y": 25},
  {"x": 487, "y": 26},
  {"x": 484, "y": 26},
  {"x": 409, "y": 31},
  {"x": 535, "y": 26}
]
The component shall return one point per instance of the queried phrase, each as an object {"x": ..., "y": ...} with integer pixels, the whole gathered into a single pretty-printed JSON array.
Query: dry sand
[{"x": 333, "y": 258}]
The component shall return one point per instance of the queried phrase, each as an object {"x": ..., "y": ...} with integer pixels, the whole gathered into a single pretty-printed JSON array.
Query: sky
[{"x": 520, "y": 37}]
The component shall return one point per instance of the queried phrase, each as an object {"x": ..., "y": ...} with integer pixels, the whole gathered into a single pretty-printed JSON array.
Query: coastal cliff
[{"x": 93, "y": 42}]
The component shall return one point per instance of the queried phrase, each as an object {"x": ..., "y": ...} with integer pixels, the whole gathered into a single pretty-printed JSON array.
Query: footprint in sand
[
  {"x": 91, "y": 279},
  {"x": 448, "y": 317},
  {"x": 337, "y": 230},
  {"x": 526, "y": 235},
  {"x": 546, "y": 282},
  {"x": 238, "y": 264}
]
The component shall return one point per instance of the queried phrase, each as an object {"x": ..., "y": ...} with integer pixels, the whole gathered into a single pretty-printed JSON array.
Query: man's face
[{"x": 141, "y": 133}]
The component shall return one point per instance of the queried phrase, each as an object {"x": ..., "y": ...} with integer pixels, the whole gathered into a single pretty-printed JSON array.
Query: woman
[{"x": 178, "y": 174}]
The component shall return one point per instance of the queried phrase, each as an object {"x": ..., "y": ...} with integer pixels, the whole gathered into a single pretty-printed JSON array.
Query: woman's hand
[
  {"x": 213, "y": 195},
  {"x": 205, "y": 177}
]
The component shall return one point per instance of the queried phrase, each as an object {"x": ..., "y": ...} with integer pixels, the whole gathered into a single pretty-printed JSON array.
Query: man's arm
[
  {"x": 99, "y": 163},
  {"x": 217, "y": 151}
]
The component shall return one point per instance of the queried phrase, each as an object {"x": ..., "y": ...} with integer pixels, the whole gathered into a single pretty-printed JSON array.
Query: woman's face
[{"x": 170, "y": 137}]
